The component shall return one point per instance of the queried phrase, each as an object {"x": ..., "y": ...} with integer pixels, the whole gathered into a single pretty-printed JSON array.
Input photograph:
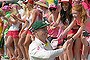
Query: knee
[
  {"x": 20, "y": 42},
  {"x": 25, "y": 44},
  {"x": 19, "y": 45},
  {"x": 7, "y": 45},
  {"x": 69, "y": 47}
]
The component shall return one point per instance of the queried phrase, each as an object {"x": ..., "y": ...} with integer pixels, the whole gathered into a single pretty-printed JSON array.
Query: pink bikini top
[{"x": 78, "y": 22}]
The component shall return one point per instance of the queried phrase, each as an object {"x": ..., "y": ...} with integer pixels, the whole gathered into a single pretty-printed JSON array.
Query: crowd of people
[{"x": 45, "y": 30}]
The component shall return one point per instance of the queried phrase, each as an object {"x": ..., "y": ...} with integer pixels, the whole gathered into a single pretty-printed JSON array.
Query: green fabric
[
  {"x": 39, "y": 24},
  {"x": 51, "y": 1},
  {"x": 8, "y": 14},
  {"x": 56, "y": 2},
  {"x": 0, "y": 10},
  {"x": 5, "y": 57},
  {"x": 6, "y": 31},
  {"x": 5, "y": 21}
]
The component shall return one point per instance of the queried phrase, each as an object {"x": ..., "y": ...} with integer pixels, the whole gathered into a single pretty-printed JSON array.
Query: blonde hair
[{"x": 83, "y": 15}]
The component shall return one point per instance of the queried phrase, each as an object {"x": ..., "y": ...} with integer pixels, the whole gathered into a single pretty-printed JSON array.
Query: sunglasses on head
[{"x": 54, "y": 9}]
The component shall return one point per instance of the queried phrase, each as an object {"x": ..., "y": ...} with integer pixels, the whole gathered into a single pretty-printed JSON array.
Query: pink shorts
[
  {"x": 13, "y": 34},
  {"x": 28, "y": 32}
]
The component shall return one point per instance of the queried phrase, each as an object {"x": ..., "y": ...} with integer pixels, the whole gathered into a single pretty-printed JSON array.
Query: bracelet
[{"x": 73, "y": 39}]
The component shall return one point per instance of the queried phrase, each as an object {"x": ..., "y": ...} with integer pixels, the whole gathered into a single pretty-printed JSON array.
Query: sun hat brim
[{"x": 41, "y": 4}]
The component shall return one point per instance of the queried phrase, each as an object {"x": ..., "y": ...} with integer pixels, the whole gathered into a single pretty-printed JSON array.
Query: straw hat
[{"x": 41, "y": 3}]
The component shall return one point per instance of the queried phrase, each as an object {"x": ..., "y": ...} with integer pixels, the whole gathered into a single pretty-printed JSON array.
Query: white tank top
[{"x": 14, "y": 27}]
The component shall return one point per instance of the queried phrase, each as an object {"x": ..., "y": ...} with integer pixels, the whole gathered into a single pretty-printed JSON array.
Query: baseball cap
[{"x": 39, "y": 24}]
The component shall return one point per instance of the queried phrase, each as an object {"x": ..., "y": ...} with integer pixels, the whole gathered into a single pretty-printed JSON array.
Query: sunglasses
[{"x": 54, "y": 9}]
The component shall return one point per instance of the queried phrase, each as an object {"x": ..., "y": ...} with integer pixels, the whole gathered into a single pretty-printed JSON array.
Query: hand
[
  {"x": 15, "y": 17},
  {"x": 67, "y": 43},
  {"x": 20, "y": 34}
]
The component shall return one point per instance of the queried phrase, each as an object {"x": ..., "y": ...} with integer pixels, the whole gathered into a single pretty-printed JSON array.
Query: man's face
[{"x": 42, "y": 33}]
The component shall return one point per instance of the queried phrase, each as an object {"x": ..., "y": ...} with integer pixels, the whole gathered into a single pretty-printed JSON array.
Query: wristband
[{"x": 73, "y": 39}]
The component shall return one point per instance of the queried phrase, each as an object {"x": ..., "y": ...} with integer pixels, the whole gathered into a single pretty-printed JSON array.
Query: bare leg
[
  {"x": 21, "y": 45},
  {"x": 61, "y": 57},
  {"x": 85, "y": 52},
  {"x": 77, "y": 48},
  {"x": 17, "y": 49},
  {"x": 69, "y": 51},
  {"x": 9, "y": 53},
  {"x": 65, "y": 56},
  {"x": 27, "y": 43},
  {"x": 8, "y": 44}
]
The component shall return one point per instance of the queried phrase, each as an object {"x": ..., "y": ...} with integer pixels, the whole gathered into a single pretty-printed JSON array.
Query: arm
[
  {"x": 79, "y": 31},
  {"x": 58, "y": 19},
  {"x": 50, "y": 19},
  {"x": 67, "y": 30},
  {"x": 84, "y": 41},
  {"x": 41, "y": 53},
  {"x": 34, "y": 16},
  {"x": 25, "y": 24},
  {"x": 46, "y": 54},
  {"x": 16, "y": 17},
  {"x": 10, "y": 20},
  {"x": 23, "y": 27},
  {"x": 13, "y": 21}
]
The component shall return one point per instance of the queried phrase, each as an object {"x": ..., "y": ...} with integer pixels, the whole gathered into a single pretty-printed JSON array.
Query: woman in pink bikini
[
  {"x": 85, "y": 50},
  {"x": 74, "y": 31},
  {"x": 53, "y": 30},
  {"x": 65, "y": 20}
]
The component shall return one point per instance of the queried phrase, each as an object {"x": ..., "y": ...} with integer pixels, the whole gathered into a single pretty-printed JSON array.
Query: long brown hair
[{"x": 83, "y": 15}]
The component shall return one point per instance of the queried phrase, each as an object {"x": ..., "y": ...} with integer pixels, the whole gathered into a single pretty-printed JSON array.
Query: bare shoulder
[{"x": 34, "y": 10}]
